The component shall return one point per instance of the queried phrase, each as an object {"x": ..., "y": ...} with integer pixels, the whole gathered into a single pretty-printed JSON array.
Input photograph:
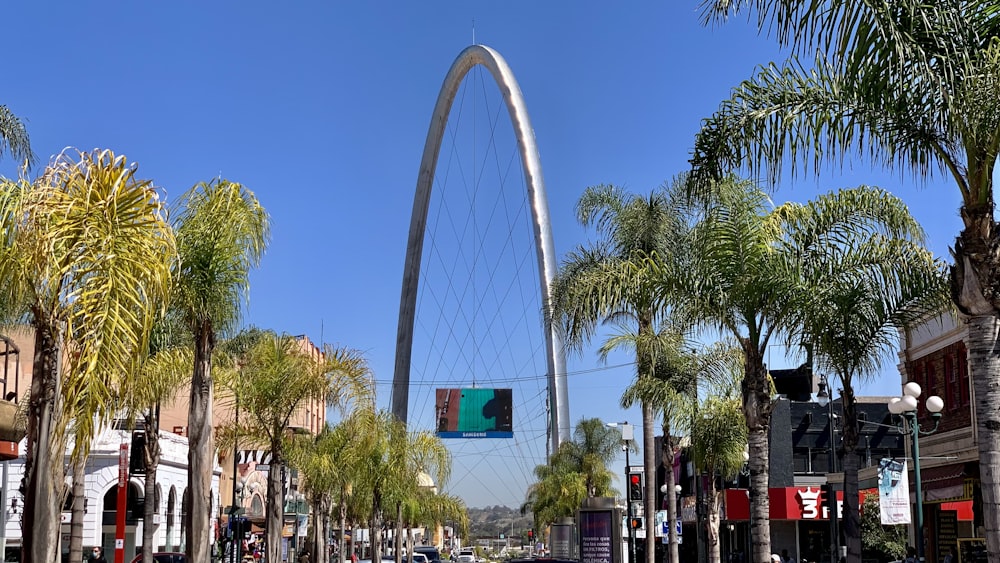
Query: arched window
[{"x": 171, "y": 503}]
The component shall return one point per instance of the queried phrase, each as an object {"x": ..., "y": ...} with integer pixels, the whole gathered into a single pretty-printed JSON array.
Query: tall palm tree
[
  {"x": 14, "y": 137},
  {"x": 275, "y": 378},
  {"x": 876, "y": 286},
  {"x": 608, "y": 282},
  {"x": 86, "y": 255},
  {"x": 672, "y": 392},
  {"x": 746, "y": 279},
  {"x": 221, "y": 232},
  {"x": 913, "y": 86},
  {"x": 669, "y": 393}
]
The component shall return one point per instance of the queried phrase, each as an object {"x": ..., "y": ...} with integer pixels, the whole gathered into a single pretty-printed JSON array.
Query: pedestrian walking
[{"x": 97, "y": 555}]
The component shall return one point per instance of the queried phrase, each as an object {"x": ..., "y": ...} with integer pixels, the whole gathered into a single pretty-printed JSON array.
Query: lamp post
[
  {"x": 677, "y": 512},
  {"x": 297, "y": 497},
  {"x": 628, "y": 434},
  {"x": 906, "y": 408},
  {"x": 235, "y": 523},
  {"x": 824, "y": 398}
]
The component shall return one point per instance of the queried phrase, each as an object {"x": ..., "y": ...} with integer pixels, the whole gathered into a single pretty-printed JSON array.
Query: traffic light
[
  {"x": 635, "y": 486},
  {"x": 637, "y": 523},
  {"x": 531, "y": 535}
]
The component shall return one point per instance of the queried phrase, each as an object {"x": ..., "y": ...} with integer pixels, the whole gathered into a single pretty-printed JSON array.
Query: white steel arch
[{"x": 555, "y": 355}]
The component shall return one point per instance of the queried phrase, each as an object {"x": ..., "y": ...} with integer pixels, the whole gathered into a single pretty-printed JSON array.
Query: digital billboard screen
[{"x": 474, "y": 413}]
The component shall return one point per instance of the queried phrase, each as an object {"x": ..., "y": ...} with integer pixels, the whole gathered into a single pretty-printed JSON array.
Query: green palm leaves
[
  {"x": 86, "y": 256},
  {"x": 222, "y": 232},
  {"x": 14, "y": 137}
]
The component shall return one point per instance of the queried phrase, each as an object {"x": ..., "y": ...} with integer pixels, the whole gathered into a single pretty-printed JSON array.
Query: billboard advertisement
[{"x": 474, "y": 413}]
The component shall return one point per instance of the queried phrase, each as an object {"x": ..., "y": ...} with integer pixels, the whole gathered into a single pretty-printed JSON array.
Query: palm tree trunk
[
  {"x": 344, "y": 555},
  {"x": 649, "y": 469},
  {"x": 151, "y": 453},
  {"x": 851, "y": 517},
  {"x": 714, "y": 548},
  {"x": 76, "y": 516},
  {"x": 757, "y": 410},
  {"x": 45, "y": 475},
  {"x": 397, "y": 544},
  {"x": 275, "y": 508},
  {"x": 201, "y": 449},
  {"x": 984, "y": 368},
  {"x": 670, "y": 495},
  {"x": 375, "y": 528}
]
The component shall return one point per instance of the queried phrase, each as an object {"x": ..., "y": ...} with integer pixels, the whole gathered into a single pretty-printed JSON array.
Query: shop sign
[{"x": 813, "y": 507}]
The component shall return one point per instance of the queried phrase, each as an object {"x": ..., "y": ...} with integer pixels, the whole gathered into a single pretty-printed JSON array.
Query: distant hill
[{"x": 491, "y": 521}]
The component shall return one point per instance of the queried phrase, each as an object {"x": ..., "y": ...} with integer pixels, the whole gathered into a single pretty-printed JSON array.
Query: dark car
[
  {"x": 164, "y": 557},
  {"x": 432, "y": 553}
]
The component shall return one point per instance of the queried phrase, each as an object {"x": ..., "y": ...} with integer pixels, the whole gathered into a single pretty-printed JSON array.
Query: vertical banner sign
[
  {"x": 596, "y": 545},
  {"x": 120, "y": 509},
  {"x": 893, "y": 492}
]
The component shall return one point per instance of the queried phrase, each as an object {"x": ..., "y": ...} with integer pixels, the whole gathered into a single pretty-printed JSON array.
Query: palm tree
[
  {"x": 593, "y": 447},
  {"x": 746, "y": 279},
  {"x": 669, "y": 392},
  {"x": 419, "y": 454},
  {"x": 673, "y": 393},
  {"x": 608, "y": 282},
  {"x": 221, "y": 232},
  {"x": 275, "y": 378},
  {"x": 853, "y": 323},
  {"x": 913, "y": 86},
  {"x": 719, "y": 440},
  {"x": 86, "y": 255},
  {"x": 578, "y": 470},
  {"x": 14, "y": 137},
  {"x": 159, "y": 378},
  {"x": 324, "y": 463}
]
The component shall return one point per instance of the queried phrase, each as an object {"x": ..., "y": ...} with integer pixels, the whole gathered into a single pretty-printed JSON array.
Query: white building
[{"x": 102, "y": 494}]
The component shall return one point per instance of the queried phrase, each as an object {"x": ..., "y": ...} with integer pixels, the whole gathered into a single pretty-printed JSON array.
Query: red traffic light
[{"x": 634, "y": 478}]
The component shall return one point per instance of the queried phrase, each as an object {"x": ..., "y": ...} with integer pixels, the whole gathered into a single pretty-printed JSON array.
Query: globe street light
[
  {"x": 905, "y": 408},
  {"x": 628, "y": 434}
]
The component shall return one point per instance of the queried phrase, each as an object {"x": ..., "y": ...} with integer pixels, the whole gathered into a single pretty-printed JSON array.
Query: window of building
[
  {"x": 951, "y": 392},
  {"x": 963, "y": 376}
]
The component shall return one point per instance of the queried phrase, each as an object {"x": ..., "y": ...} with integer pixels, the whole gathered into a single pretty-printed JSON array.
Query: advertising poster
[
  {"x": 596, "y": 545},
  {"x": 893, "y": 492},
  {"x": 474, "y": 413}
]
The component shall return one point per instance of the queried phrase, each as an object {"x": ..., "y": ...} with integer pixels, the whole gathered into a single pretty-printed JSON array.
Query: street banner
[{"x": 893, "y": 492}]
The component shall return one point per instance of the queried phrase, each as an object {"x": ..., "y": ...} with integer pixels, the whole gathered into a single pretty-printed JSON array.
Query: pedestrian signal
[{"x": 637, "y": 523}]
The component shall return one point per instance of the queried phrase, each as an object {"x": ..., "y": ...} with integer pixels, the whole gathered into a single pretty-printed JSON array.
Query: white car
[{"x": 419, "y": 558}]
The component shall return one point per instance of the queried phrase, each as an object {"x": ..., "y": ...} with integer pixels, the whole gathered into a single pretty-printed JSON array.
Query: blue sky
[{"x": 322, "y": 109}]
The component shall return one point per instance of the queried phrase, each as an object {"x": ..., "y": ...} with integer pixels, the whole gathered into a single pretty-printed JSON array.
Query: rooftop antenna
[{"x": 473, "y": 31}]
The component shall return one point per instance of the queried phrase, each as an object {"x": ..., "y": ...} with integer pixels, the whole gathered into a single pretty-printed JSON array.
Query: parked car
[
  {"x": 419, "y": 558},
  {"x": 164, "y": 557}
]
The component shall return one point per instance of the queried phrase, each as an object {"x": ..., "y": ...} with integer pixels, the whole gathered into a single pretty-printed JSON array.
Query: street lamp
[
  {"x": 628, "y": 434},
  {"x": 906, "y": 408},
  {"x": 677, "y": 511},
  {"x": 297, "y": 497},
  {"x": 236, "y": 524},
  {"x": 824, "y": 398}
]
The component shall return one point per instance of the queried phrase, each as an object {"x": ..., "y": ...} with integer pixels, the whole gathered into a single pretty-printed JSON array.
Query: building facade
[
  {"x": 935, "y": 356},
  {"x": 247, "y": 463}
]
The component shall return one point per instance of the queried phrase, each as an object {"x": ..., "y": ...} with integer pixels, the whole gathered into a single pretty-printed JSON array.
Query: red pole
[{"x": 122, "y": 498}]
